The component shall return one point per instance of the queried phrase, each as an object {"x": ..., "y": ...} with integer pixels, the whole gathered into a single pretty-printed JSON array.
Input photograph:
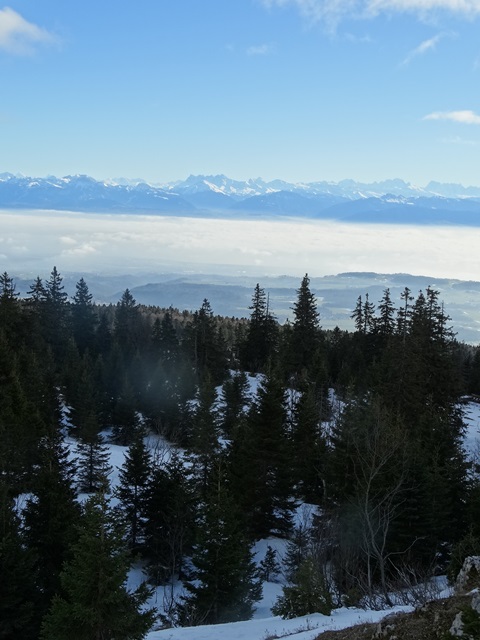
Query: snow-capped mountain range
[{"x": 387, "y": 201}]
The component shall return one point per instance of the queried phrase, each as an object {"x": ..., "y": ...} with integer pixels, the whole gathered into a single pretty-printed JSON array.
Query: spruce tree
[
  {"x": 226, "y": 586},
  {"x": 169, "y": 514},
  {"x": 132, "y": 490},
  {"x": 306, "y": 328},
  {"x": 51, "y": 514},
  {"x": 262, "y": 333},
  {"x": 84, "y": 319},
  {"x": 267, "y": 492},
  {"x": 94, "y": 603},
  {"x": 235, "y": 400},
  {"x": 18, "y": 591}
]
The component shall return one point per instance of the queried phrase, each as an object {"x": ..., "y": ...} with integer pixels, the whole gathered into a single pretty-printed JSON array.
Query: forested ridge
[{"x": 365, "y": 425}]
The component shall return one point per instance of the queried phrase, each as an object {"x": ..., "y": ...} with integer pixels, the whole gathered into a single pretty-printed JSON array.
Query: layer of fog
[{"x": 32, "y": 242}]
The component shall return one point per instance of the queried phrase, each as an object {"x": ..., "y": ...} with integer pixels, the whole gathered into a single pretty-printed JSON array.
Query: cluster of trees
[{"x": 366, "y": 424}]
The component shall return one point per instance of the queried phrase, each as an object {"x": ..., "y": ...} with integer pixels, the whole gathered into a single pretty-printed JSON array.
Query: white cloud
[
  {"x": 260, "y": 50},
  {"x": 463, "y": 117},
  {"x": 423, "y": 47},
  {"x": 332, "y": 11},
  {"x": 18, "y": 36},
  {"x": 461, "y": 141}
]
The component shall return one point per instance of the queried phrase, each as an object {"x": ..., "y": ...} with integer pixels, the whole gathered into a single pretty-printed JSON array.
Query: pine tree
[
  {"x": 306, "y": 328},
  {"x": 357, "y": 315},
  {"x": 386, "y": 322},
  {"x": 169, "y": 514},
  {"x": 308, "y": 594},
  {"x": 10, "y": 310},
  {"x": 95, "y": 604},
  {"x": 166, "y": 341},
  {"x": 368, "y": 316},
  {"x": 84, "y": 318},
  {"x": 269, "y": 567},
  {"x": 235, "y": 400},
  {"x": 226, "y": 586},
  {"x": 129, "y": 326},
  {"x": 204, "y": 442},
  {"x": 18, "y": 594},
  {"x": 56, "y": 315},
  {"x": 266, "y": 494},
  {"x": 51, "y": 514},
  {"x": 309, "y": 448},
  {"x": 125, "y": 418},
  {"x": 132, "y": 490},
  {"x": 262, "y": 333},
  {"x": 93, "y": 464},
  {"x": 202, "y": 343}
]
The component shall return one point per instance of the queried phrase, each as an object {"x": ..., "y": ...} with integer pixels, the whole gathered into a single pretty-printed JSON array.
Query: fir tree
[
  {"x": 226, "y": 586},
  {"x": 95, "y": 604},
  {"x": 266, "y": 494},
  {"x": 262, "y": 333},
  {"x": 235, "y": 400},
  {"x": 305, "y": 330},
  {"x": 51, "y": 514},
  {"x": 132, "y": 490},
  {"x": 169, "y": 514},
  {"x": 84, "y": 318},
  {"x": 204, "y": 442},
  {"x": 269, "y": 567},
  {"x": 18, "y": 593}
]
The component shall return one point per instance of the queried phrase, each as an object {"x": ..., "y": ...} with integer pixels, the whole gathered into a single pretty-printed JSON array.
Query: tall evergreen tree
[
  {"x": 95, "y": 603},
  {"x": 132, "y": 490},
  {"x": 84, "y": 318},
  {"x": 169, "y": 527},
  {"x": 51, "y": 514},
  {"x": 266, "y": 495},
  {"x": 306, "y": 327},
  {"x": 18, "y": 593},
  {"x": 262, "y": 333},
  {"x": 226, "y": 586}
]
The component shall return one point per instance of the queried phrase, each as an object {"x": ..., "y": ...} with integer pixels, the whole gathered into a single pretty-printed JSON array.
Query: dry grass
[{"x": 430, "y": 622}]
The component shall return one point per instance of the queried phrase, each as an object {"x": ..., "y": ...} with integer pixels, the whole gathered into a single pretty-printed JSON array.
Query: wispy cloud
[
  {"x": 464, "y": 117},
  {"x": 461, "y": 141},
  {"x": 424, "y": 47},
  {"x": 20, "y": 37},
  {"x": 260, "y": 50},
  {"x": 333, "y": 11}
]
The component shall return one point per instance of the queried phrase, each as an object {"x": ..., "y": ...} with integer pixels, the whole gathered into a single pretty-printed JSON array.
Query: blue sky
[{"x": 301, "y": 90}]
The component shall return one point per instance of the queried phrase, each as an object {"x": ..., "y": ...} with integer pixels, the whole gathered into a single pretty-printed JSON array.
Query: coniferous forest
[{"x": 251, "y": 419}]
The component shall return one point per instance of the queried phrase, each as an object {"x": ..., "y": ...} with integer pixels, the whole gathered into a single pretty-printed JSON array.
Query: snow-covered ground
[
  {"x": 263, "y": 625},
  {"x": 472, "y": 435}
]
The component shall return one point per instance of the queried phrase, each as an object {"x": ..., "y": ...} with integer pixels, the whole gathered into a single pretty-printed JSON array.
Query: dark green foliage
[
  {"x": 389, "y": 471},
  {"x": 125, "y": 418},
  {"x": 93, "y": 464},
  {"x": 128, "y": 325},
  {"x": 235, "y": 399},
  {"x": 269, "y": 567},
  {"x": 84, "y": 318},
  {"x": 305, "y": 331},
  {"x": 203, "y": 344},
  {"x": 262, "y": 334},
  {"x": 169, "y": 520},
  {"x": 309, "y": 450},
  {"x": 18, "y": 594},
  {"x": 51, "y": 514},
  {"x": 227, "y": 586},
  {"x": 132, "y": 490},
  {"x": 95, "y": 604},
  {"x": 309, "y": 593},
  {"x": 264, "y": 490},
  {"x": 205, "y": 433}
]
